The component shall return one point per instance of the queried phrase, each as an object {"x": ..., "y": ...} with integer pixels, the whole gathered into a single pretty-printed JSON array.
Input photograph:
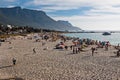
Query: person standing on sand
[
  {"x": 76, "y": 50},
  {"x": 73, "y": 50},
  {"x": 34, "y": 51},
  {"x": 14, "y": 61},
  {"x": 106, "y": 46},
  {"x": 71, "y": 47},
  {"x": 79, "y": 49},
  {"x": 118, "y": 53}
]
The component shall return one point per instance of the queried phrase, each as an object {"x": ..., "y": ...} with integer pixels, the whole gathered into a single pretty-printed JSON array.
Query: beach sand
[{"x": 55, "y": 64}]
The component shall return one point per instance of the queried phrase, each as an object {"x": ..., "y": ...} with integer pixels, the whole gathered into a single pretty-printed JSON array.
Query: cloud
[
  {"x": 56, "y": 8},
  {"x": 73, "y": 4},
  {"x": 108, "y": 10},
  {"x": 9, "y": 0},
  {"x": 103, "y": 22},
  {"x": 10, "y": 6}
]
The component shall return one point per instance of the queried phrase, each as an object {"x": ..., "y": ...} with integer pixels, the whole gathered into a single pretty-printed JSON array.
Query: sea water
[{"x": 114, "y": 38}]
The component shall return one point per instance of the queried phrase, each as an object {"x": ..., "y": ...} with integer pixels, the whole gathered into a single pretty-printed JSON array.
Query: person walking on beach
[
  {"x": 14, "y": 61},
  {"x": 93, "y": 50},
  {"x": 34, "y": 51}
]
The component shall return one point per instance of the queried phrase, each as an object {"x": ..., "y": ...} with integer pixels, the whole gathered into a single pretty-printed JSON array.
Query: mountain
[
  {"x": 33, "y": 18},
  {"x": 68, "y": 26}
]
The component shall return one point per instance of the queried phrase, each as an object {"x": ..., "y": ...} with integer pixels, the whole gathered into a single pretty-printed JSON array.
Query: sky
[{"x": 85, "y": 14}]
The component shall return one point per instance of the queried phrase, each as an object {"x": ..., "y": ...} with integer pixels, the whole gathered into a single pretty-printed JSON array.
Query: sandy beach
[{"x": 56, "y": 64}]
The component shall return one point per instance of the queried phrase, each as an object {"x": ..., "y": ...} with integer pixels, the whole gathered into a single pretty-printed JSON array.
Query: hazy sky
[{"x": 86, "y": 14}]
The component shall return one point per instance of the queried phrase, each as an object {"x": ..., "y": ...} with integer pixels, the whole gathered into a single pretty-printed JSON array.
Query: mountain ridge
[{"x": 38, "y": 19}]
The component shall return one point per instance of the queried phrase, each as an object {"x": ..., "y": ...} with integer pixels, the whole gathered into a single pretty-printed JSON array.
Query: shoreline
[{"x": 113, "y": 42}]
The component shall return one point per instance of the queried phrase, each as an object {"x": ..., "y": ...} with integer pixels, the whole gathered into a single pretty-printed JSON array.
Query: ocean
[{"x": 114, "y": 38}]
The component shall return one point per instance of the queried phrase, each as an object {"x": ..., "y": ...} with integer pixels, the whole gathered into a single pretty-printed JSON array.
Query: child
[{"x": 14, "y": 61}]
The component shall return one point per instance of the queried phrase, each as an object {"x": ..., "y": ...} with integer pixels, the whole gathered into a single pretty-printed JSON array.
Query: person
[
  {"x": 106, "y": 46},
  {"x": 45, "y": 48},
  {"x": 118, "y": 53},
  {"x": 14, "y": 61},
  {"x": 43, "y": 43},
  {"x": 118, "y": 45},
  {"x": 9, "y": 42},
  {"x": 71, "y": 47},
  {"x": 46, "y": 37},
  {"x": 73, "y": 50},
  {"x": 79, "y": 49},
  {"x": 34, "y": 50},
  {"x": 76, "y": 50},
  {"x": 66, "y": 47},
  {"x": 93, "y": 50}
]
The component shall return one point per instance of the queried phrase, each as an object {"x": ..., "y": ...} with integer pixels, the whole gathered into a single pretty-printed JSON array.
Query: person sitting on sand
[
  {"x": 43, "y": 43},
  {"x": 46, "y": 37},
  {"x": 45, "y": 48},
  {"x": 66, "y": 47},
  {"x": 34, "y": 51},
  {"x": 14, "y": 61},
  {"x": 117, "y": 47},
  {"x": 9, "y": 42}
]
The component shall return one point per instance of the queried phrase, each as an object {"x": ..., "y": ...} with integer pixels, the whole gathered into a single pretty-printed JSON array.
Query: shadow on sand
[
  {"x": 72, "y": 53},
  {"x": 1, "y": 67},
  {"x": 114, "y": 56},
  {"x": 17, "y": 78},
  {"x": 14, "y": 78}
]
